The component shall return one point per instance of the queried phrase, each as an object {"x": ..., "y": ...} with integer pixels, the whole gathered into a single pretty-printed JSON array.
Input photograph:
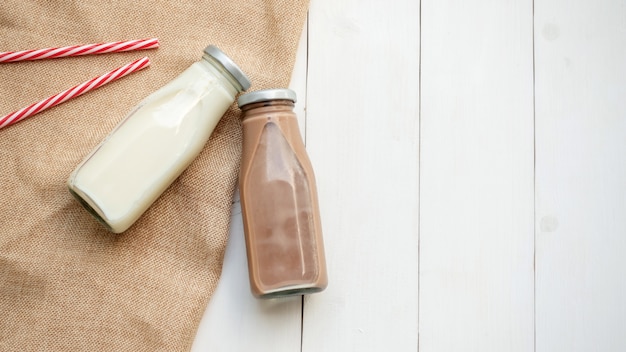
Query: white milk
[{"x": 148, "y": 150}]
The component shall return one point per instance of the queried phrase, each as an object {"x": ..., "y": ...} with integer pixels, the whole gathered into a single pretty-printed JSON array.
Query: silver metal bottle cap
[
  {"x": 266, "y": 95},
  {"x": 229, "y": 65}
]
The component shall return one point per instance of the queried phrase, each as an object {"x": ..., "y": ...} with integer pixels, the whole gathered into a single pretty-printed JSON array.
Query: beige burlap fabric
[{"x": 66, "y": 284}]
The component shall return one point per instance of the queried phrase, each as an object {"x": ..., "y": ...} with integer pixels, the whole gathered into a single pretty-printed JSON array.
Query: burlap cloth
[{"x": 66, "y": 284}]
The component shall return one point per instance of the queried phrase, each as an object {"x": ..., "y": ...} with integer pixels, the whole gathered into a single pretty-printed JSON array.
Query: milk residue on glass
[
  {"x": 156, "y": 142},
  {"x": 279, "y": 199}
]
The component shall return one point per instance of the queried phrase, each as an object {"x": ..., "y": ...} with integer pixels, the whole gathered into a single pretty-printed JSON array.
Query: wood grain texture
[
  {"x": 363, "y": 138},
  {"x": 581, "y": 175},
  {"x": 476, "y": 172},
  {"x": 480, "y": 204}
]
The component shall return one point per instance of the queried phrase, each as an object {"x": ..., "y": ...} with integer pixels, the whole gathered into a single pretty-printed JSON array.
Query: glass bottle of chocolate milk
[{"x": 279, "y": 199}]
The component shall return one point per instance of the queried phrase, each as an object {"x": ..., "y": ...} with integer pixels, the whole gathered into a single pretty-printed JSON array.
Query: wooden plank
[
  {"x": 235, "y": 320},
  {"x": 362, "y": 136},
  {"x": 476, "y": 192},
  {"x": 581, "y": 174}
]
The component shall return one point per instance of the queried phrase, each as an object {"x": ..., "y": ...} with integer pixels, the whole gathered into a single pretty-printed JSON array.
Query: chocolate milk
[{"x": 279, "y": 199}]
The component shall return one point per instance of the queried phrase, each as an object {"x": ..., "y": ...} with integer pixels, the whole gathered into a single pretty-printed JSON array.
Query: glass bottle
[
  {"x": 156, "y": 142},
  {"x": 279, "y": 199}
]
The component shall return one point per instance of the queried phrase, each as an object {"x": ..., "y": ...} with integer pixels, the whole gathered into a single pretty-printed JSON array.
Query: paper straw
[
  {"x": 77, "y": 50},
  {"x": 73, "y": 92}
]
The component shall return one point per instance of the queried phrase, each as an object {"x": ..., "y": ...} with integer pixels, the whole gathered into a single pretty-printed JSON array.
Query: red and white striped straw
[
  {"x": 78, "y": 90},
  {"x": 77, "y": 50}
]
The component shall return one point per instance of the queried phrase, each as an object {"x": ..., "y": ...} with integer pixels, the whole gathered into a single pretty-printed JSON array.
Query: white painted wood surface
[
  {"x": 476, "y": 167},
  {"x": 581, "y": 175},
  {"x": 515, "y": 252},
  {"x": 363, "y": 138}
]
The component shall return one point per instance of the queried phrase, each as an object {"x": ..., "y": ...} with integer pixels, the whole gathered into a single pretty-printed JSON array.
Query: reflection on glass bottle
[
  {"x": 154, "y": 144},
  {"x": 279, "y": 200}
]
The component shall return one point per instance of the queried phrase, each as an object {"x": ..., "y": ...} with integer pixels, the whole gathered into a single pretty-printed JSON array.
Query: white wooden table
[{"x": 471, "y": 163}]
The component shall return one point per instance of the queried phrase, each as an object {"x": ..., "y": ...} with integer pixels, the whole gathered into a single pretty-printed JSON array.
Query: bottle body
[
  {"x": 279, "y": 205},
  {"x": 152, "y": 146}
]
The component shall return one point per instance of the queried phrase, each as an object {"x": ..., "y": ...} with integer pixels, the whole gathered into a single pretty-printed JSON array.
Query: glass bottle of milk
[
  {"x": 281, "y": 216},
  {"x": 156, "y": 142}
]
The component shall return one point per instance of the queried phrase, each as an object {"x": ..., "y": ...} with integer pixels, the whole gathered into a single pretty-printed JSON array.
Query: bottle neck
[
  {"x": 264, "y": 107},
  {"x": 215, "y": 66}
]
